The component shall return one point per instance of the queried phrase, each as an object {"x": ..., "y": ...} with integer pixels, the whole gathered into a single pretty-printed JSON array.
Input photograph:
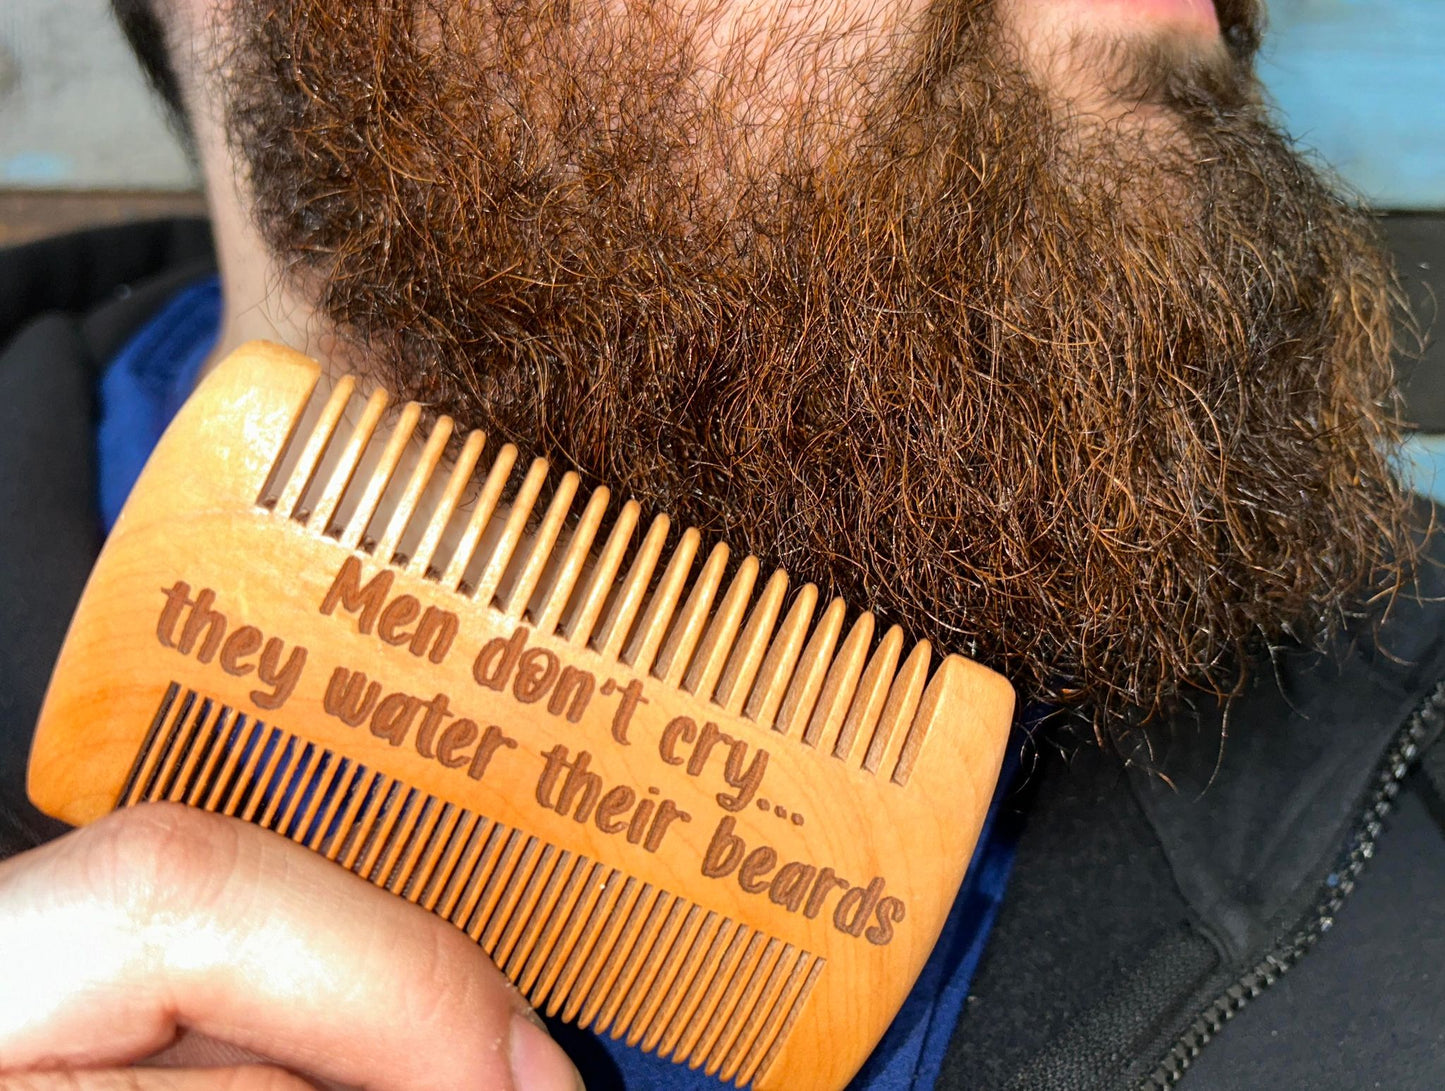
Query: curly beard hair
[{"x": 1104, "y": 403}]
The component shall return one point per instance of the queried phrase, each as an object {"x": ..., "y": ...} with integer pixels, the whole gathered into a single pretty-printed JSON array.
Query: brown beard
[{"x": 1104, "y": 406}]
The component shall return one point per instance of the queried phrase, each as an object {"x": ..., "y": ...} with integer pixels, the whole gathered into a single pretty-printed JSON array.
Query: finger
[
  {"x": 162, "y": 917},
  {"x": 247, "y": 1078}
]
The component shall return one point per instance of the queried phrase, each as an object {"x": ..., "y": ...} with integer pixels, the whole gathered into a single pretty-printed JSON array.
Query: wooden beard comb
[{"x": 671, "y": 804}]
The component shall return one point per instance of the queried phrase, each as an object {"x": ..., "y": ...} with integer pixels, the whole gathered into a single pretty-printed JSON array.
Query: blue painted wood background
[{"x": 1363, "y": 83}]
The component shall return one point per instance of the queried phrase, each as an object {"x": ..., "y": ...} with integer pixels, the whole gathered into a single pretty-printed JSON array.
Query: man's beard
[{"x": 1104, "y": 404}]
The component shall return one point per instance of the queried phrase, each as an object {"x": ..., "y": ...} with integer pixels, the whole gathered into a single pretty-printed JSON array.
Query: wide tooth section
[{"x": 717, "y": 643}]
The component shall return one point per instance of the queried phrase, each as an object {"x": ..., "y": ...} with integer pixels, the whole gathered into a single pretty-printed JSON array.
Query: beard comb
[{"x": 668, "y": 808}]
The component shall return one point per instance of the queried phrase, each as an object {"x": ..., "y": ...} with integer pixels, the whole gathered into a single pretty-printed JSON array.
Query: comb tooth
[
  {"x": 458, "y": 838},
  {"x": 496, "y": 912},
  {"x": 559, "y": 590},
  {"x": 616, "y": 970},
  {"x": 919, "y": 725},
  {"x": 512, "y": 531},
  {"x": 378, "y": 840},
  {"x": 717, "y": 643},
  {"x": 217, "y": 793},
  {"x": 407, "y": 839},
  {"x": 316, "y": 443},
  {"x": 560, "y": 916},
  {"x": 326, "y": 824},
  {"x": 431, "y": 455},
  {"x": 619, "y": 1019},
  {"x": 478, "y": 849},
  {"x": 385, "y": 468},
  {"x": 539, "y": 550},
  {"x": 616, "y": 899},
  {"x": 702, "y": 1020},
  {"x": 426, "y": 840},
  {"x": 439, "y": 838},
  {"x": 341, "y": 475},
  {"x": 867, "y": 704},
  {"x": 533, "y": 917},
  {"x": 496, "y": 865},
  {"x": 903, "y": 698},
  {"x": 481, "y": 515},
  {"x": 227, "y": 734},
  {"x": 279, "y": 751},
  {"x": 590, "y": 896},
  {"x": 593, "y": 595},
  {"x": 795, "y": 1004},
  {"x": 323, "y": 795},
  {"x": 368, "y": 798},
  {"x": 807, "y": 680},
  {"x": 601, "y": 961},
  {"x": 742, "y": 1016},
  {"x": 760, "y": 1014},
  {"x": 287, "y": 791},
  {"x": 461, "y": 476},
  {"x": 782, "y": 658},
  {"x": 649, "y": 999},
  {"x": 678, "y": 1000},
  {"x": 748, "y": 652},
  {"x": 676, "y": 653},
  {"x": 840, "y": 685},
  {"x": 630, "y": 595},
  {"x": 644, "y": 644}
]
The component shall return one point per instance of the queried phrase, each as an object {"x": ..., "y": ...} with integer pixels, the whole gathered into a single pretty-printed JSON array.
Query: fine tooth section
[
  {"x": 323, "y": 512},
  {"x": 604, "y": 949},
  {"x": 674, "y": 959},
  {"x": 421, "y": 474},
  {"x": 481, "y": 515},
  {"x": 547, "y": 612},
  {"x": 583, "y": 970},
  {"x": 643, "y": 985},
  {"x": 780, "y": 661},
  {"x": 706, "y": 947},
  {"x": 723, "y": 1057},
  {"x": 717, "y": 643},
  {"x": 867, "y": 704},
  {"x": 686, "y": 631},
  {"x": 593, "y": 597},
  {"x": 618, "y": 967},
  {"x": 840, "y": 685},
  {"x": 628, "y": 599},
  {"x": 645, "y": 641},
  {"x": 539, "y": 549},
  {"x": 701, "y": 1021},
  {"x": 760, "y": 1014},
  {"x": 583, "y": 911},
  {"x": 316, "y": 443},
  {"x": 807, "y": 679},
  {"x": 512, "y": 532},
  {"x": 461, "y": 475},
  {"x": 903, "y": 698},
  {"x": 376, "y": 484},
  {"x": 750, "y": 649},
  {"x": 778, "y": 1034}
]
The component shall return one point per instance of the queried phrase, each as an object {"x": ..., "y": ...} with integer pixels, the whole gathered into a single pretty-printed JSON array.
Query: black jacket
[{"x": 1297, "y": 880}]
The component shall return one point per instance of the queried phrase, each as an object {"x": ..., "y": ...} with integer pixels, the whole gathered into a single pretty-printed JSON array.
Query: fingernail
[{"x": 538, "y": 1063}]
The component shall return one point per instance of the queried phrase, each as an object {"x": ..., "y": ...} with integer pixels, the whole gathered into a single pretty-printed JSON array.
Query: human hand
[{"x": 128, "y": 943}]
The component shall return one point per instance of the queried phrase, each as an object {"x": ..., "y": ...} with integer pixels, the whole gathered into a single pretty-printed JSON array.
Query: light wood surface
[{"x": 674, "y": 799}]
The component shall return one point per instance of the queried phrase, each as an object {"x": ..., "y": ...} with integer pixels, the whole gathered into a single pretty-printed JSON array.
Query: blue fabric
[
  {"x": 145, "y": 385},
  {"x": 139, "y": 394}
]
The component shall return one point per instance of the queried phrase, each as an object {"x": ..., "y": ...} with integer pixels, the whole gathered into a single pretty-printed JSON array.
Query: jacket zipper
[{"x": 1410, "y": 742}]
